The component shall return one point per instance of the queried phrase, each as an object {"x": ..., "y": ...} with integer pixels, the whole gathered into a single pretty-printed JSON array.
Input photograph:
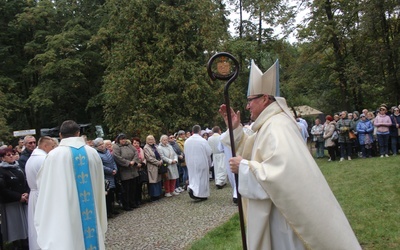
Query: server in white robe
[
  {"x": 58, "y": 216},
  {"x": 198, "y": 162},
  {"x": 287, "y": 202},
  {"x": 218, "y": 158},
  {"x": 45, "y": 145}
]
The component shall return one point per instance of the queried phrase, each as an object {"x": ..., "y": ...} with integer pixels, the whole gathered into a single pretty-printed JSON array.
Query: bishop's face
[{"x": 255, "y": 105}]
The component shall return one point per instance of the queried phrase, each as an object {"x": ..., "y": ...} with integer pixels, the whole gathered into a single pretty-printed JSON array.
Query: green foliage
[
  {"x": 368, "y": 192},
  {"x": 353, "y": 44},
  {"x": 156, "y": 79},
  {"x": 140, "y": 66}
]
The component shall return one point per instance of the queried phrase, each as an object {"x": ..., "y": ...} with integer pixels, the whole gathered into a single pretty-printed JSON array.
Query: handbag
[
  {"x": 335, "y": 136},
  {"x": 352, "y": 136},
  {"x": 143, "y": 175},
  {"x": 106, "y": 185},
  {"x": 163, "y": 168}
]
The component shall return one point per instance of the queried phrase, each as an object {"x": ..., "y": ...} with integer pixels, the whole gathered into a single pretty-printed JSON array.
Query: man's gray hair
[{"x": 28, "y": 137}]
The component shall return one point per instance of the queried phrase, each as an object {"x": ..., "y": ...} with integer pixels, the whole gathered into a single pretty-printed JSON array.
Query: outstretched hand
[{"x": 235, "y": 116}]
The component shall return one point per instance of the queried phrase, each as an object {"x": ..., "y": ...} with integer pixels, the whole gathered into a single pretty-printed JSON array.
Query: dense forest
[{"x": 139, "y": 66}]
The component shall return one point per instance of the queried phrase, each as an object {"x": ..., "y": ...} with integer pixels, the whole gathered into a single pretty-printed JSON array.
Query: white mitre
[{"x": 267, "y": 83}]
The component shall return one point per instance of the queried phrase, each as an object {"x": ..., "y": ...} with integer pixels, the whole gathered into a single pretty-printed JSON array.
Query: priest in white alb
[
  {"x": 71, "y": 209},
  {"x": 218, "y": 158},
  {"x": 287, "y": 202},
  {"x": 32, "y": 167},
  {"x": 198, "y": 161}
]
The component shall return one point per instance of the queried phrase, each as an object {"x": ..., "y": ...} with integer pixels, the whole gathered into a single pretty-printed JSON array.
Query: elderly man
[
  {"x": 288, "y": 202},
  {"x": 30, "y": 145},
  {"x": 71, "y": 208}
]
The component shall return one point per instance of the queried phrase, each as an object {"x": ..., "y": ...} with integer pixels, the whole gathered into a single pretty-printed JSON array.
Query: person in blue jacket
[{"x": 364, "y": 129}]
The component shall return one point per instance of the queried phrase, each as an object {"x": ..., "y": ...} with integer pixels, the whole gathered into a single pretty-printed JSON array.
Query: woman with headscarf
[
  {"x": 154, "y": 161},
  {"x": 13, "y": 199},
  {"x": 169, "y": 157},
  {"x": 110, "y": 170},
  {"x": 126, "y": 157}
]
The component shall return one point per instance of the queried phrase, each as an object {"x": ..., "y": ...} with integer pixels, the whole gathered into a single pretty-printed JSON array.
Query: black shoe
[
  {"x": 192, "y": 195},
  {"x": 235, "y": 200},
  {"x": 220, "y": 186},
  {"x": 115, "y": 212},
  {"x": 195, "y": 197},
  {"x": 128, "y": 208},
  {"x": 200, "y": 199},
  {"x": 109, "y": 216}
]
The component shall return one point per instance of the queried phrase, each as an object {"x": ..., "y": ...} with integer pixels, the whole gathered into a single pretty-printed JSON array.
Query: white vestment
[
  {"x": 303, "y": 131},
  {"x": 58, "y": 215},
  {"x": 218, "y": 158},
  {"x": 289, "y": 203},
  {"x": 32, "y": 167},
  {"x": 198, "y": 162},
  {"x": 228, "y": 155}
]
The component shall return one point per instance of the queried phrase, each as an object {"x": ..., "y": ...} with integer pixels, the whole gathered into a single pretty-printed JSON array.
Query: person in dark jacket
[
  {"x": 344, "y": 126},
  {"x": 13, "y": 199},
  {"x": 394, "y": 130},
  {"x": 30, "y": 145},
  {"x": 126, "y": 157}
]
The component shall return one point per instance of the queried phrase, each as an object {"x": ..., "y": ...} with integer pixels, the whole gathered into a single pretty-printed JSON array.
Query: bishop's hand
[{"x": 235, "y": 116}]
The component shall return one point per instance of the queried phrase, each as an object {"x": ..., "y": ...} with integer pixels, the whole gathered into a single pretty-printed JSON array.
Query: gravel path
[{"x": 170, "y": 223}]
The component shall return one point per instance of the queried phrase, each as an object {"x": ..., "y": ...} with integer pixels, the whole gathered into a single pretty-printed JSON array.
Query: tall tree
[
  {"x": 353, "y": 42},
  {"x": 12, "y": 60},
  {"x": 65, "y": 69},
  {"x": 156, "y": 54}
]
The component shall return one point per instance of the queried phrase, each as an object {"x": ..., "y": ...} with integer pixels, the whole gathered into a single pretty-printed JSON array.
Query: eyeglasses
[
  {"x": 253, "y": 98},
  {"x": 32, "y": 142},
  {"x": 396, "y": 110}
]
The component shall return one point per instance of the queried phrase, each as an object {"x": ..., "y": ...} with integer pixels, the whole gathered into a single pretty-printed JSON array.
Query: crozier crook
[{"x": 219, "y": 67}]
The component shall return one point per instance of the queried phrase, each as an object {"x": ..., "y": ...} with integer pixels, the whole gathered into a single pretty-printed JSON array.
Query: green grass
[{"x": 369, "y": 193}]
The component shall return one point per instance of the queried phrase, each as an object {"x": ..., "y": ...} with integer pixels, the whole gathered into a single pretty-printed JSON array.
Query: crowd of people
[
  {"x": 286, "y": 201},
  {"x": 364, "y": 135},
  {"x": 132, "y": 171},
  {"x": 190, "y": 159}
]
